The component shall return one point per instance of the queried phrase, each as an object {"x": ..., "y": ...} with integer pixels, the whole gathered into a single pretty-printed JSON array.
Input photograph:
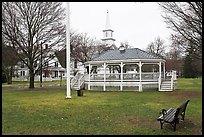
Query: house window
[
  {"x": 46, "y": 46},
  {"x": 56, "y": 74},
  {"x": 56, "y": 64},
  {"x": 22, "y": 73},
  {"x": 106, "y": 34}
]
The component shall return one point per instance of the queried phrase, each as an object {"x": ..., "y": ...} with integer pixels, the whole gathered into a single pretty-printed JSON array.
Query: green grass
[
  {"x": 46, "y": 111},
  {"x": 194, "y": 84}
]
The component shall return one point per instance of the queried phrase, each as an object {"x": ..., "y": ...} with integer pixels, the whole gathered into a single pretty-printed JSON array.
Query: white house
[{"x": 52, "y": 71}]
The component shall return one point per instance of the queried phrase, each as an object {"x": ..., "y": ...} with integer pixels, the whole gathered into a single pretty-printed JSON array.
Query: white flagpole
[{"x": 68, "y": 49}]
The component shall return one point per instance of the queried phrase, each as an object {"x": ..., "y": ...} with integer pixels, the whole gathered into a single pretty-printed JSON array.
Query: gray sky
[{"x": 138, "y": 23}]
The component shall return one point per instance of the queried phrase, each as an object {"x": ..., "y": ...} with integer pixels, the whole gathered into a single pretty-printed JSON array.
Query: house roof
[
  {"x": 132, "y": 53},
  {"x": 61, "y": 57}
]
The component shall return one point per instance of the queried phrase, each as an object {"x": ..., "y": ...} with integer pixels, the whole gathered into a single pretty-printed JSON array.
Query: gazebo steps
[
  {"x": 165, "y": 90},
  {"x": 166, "y": 86},
  {"x": 75, "y": 87},
  {"x": 78, "y": 81}
]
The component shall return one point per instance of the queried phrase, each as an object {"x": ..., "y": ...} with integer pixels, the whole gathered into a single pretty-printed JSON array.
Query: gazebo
[{"x": 124, "y": 69}]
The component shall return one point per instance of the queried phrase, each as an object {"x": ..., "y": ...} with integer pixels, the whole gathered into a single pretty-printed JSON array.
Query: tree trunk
[
  {"x": 7, "y": 75},
  {"x": 10, "y": 75},
  {"x": 32, "y": 79}
]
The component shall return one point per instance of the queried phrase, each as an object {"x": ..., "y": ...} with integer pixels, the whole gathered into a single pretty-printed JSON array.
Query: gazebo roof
[{"x": 132, "y": 53}]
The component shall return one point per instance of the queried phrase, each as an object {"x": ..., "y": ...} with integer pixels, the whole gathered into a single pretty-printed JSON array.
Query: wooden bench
[{"x": 173, "y": 115}]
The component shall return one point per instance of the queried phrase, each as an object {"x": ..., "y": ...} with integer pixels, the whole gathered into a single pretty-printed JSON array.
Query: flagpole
[{"x": 68, "y": 49}]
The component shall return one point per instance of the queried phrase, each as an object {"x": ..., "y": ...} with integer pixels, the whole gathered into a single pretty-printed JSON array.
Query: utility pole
[{"x": 68, "y": 50}]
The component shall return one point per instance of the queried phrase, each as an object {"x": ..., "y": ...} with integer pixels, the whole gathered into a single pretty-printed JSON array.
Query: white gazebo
[{"x": 125, "y": 69}]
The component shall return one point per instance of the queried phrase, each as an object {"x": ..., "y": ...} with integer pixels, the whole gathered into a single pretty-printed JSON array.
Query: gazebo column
[
  {"x": 104, "y": 80},
  {"x": 164, "y": 69},
  {"x": 89, "y": 86},
  {"x": 159, "y": 79},
  {"x": 160, "y": 70},
  {"x": 121, "y": 76},
  {"x": 140, "y": 69}
]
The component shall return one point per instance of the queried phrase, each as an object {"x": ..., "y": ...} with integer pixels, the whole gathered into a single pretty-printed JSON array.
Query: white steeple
[
  {"x": 107, "y": 21},
  {"x": 108, "y": 32}
]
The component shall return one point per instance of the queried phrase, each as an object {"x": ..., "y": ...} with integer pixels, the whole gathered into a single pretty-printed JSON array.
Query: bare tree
[
  {"x": 174, "y": 61},
  {"x": 175, "y": 52},
  {"x": 185, "y": 19},
  {"x": 83, "y": 49},
  {"x": 157, "y": 47},
  {"x": 30, "y": 25},
  {"x": 9, "y": 59},
  {"x": 102, "y": 48},
  {"x": 125, "y": 44},
  {"x": 88, "y": 48}
]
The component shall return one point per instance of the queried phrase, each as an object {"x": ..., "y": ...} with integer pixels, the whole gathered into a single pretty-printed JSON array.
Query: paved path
[{"x": 36, "y": 86}]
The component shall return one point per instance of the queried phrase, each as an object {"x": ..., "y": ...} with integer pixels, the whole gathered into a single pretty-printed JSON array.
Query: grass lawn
[{"x": 46, "y": 111}]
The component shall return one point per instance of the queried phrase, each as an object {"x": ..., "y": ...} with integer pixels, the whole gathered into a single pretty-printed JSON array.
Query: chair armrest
[{"x": 164, "y": 112}]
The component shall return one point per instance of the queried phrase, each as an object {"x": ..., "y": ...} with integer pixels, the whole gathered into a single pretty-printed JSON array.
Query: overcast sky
[{"x": 138, "y": 23}]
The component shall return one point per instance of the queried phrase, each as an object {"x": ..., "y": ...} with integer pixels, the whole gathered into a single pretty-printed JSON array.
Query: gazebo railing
[
  {"x": 96, "y": 76},
  {"x": 150, "y": 76},
  {"x": 131, "y": 76},
  {"x": 126, "y": 76},
  {"x": 113, "y": 76}
]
